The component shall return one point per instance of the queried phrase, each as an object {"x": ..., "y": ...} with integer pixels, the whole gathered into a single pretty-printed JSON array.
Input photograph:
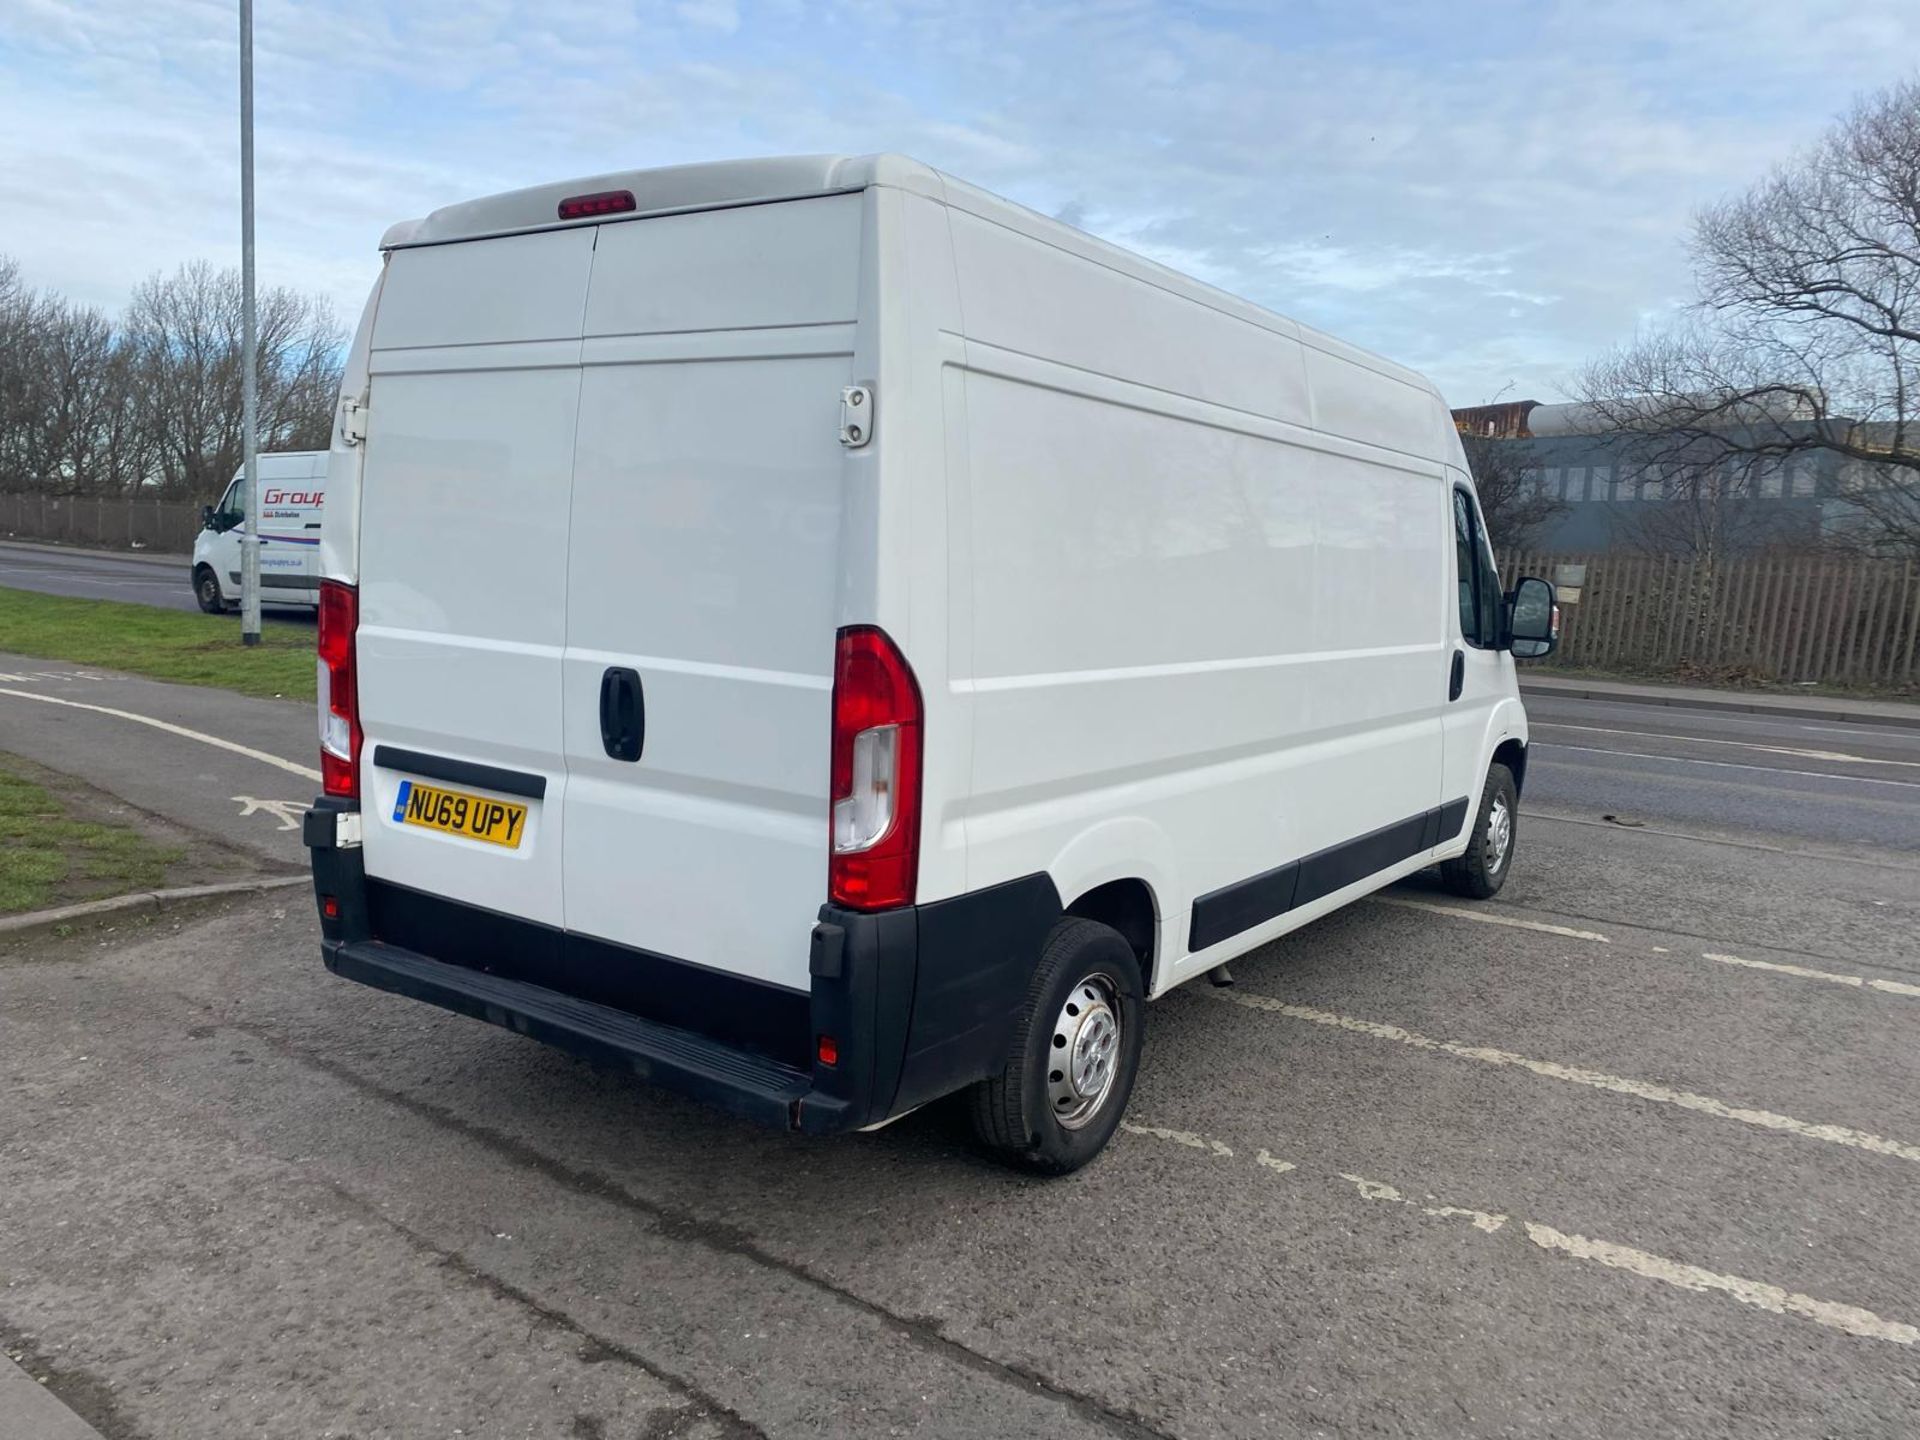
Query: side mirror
[
  {"x": 206, "y": 517},
  {"x": 1533, "y": 620}
]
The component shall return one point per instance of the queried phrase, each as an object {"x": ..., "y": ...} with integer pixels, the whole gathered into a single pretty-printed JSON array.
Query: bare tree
[
  {"x": 1511, "y": 499},
  {"x": 1805, "y": 337},
  {"x": 185, "y": 333},
  {"x": 91, "y": 407}
]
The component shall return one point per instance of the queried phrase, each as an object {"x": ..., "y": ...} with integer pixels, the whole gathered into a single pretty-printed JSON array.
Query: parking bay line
[
  {"x": 218, "y": 742},
  {"x": 1891, "y": 987},
  {"x": 1484, "y": 918},
  {"x": 1776, "y": 1299},
  {"x": 1775, "y": 967},
  {"x": 1578, "y": 1075}
]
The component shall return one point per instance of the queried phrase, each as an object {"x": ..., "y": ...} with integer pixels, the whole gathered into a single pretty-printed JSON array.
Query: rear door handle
[
  {"x": 1459, "y": 676},
  {"x": 623, "y": 713}
]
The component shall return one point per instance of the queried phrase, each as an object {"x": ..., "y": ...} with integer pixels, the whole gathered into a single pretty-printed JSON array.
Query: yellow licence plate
[{"x": 498, "y": 822}]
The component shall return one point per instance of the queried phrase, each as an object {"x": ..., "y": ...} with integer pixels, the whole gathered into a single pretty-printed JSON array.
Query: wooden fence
[
  {"x": 1790, "y": 619},
  {"x": 168, "y": 526}
]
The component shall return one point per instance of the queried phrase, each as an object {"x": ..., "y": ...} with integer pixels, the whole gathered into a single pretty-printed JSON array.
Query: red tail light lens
[
  {"x": 875, "y": 777},
  {"x": 339, "y": 692},
  {"x": 601, "y": 202}
]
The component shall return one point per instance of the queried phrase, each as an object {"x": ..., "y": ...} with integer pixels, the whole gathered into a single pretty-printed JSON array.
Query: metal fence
[
  {"x": 168, "y": 526},
  {"x": 1793, "y": 619}
]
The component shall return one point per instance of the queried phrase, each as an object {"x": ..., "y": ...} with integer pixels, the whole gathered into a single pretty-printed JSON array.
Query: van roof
[
  {"x": 725, "y": 183},
  {"x": 670, "y": 188}
]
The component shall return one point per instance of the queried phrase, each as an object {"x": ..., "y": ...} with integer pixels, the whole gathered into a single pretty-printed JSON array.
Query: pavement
[
  {"x": 139, "y": 579},
  {"x": 1627, "y": 1151}
]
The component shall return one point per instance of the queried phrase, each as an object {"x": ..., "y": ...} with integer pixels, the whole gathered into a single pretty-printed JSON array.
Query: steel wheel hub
[
  {"x": 1499, "y": 834},
  {"x": 1085, "y": 1052}
]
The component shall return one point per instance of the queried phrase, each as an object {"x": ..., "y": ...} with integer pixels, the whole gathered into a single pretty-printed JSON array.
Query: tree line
[{"x": 148, "y": 402}]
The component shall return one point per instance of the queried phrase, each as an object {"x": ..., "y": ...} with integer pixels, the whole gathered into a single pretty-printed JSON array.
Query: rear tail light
[
  {"x": 339, "y": 692},
  {"x": 875, "y": 777}
]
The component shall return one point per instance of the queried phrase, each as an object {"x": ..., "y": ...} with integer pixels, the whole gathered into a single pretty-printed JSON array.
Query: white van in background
[
  {"x": 824, "y": 638},
  {"x": 293, "y": 485}
]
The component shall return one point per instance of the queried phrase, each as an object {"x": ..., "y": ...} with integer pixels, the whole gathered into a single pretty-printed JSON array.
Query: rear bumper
[{"x": 919, "y": 1001}]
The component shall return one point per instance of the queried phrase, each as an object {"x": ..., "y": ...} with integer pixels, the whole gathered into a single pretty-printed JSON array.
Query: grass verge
[
  {"x": 55, "y": 857},
  {"x": 178, "y": 645}
]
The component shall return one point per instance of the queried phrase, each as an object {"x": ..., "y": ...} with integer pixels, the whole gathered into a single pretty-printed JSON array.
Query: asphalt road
[
  {"x": 1629, "y": 1151},
  {"x": 163, "y": 580}
]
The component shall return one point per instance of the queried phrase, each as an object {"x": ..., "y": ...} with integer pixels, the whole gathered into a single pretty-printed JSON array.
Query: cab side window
[
  {"x": 235, "y": 501},
  {"x": 1479, "y": 586}
]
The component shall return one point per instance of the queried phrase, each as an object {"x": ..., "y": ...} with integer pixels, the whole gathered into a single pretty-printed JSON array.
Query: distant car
[
  {"x": 293, "y": 486},
  {"x": 820, "y": 637}
]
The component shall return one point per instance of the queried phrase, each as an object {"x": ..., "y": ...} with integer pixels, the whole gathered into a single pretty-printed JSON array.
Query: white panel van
[
  {"x": 293, "y": 491},
  {"x": 826, "y": 638}
]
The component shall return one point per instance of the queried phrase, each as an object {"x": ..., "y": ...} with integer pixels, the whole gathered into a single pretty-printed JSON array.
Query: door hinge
[
  {"x": 856, "y": 416},
  {"x": 353, "y": 420}
]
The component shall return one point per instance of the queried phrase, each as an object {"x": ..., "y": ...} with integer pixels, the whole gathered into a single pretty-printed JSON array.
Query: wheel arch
[
  {"x": 1129, "y": 907},
  {"x": 1512, "y": 753}
]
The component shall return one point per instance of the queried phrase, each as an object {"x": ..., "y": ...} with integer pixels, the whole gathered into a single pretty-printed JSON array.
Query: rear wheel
[
  {"x": 206, "y": 589},
  {"x": 1070, "y": 1067},
  {"x": 1481, "y": 872}
]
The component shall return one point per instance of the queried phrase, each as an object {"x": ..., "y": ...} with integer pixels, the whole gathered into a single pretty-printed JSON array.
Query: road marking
[
  {"x": 1774, "y": 1299},
  {"x": 1732, "y": 765},
  {"x": 1578, "y": 1075},
  {"x": 1839, "y": 755},
  {"x": 1484, "y": 918},
  {"x": 1850, "y": 1318},
  {"x": 214, "y": 740},
  {"x": 1178, "y": 1137},
  {"x": 1380, "y": 1190},
  {"x": 287, "y": 812},
  {"x": 1892, "y": 987}
]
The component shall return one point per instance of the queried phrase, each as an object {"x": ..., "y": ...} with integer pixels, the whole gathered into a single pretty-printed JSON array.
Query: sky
[{"x": 1492, "y": 191}]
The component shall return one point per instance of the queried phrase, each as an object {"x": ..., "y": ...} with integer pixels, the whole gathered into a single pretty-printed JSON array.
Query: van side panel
[
  {"x": 1206, "y": 638},
  {"x": 463, "y": 549},
  {"x": 705, "y": 557}
]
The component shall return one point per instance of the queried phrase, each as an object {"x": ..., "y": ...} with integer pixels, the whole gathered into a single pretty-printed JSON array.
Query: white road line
[
  {"x": 1483, "y": 917},
  {"x": 1577, "y": 1075},
  {"x": 1556, "y": 746},
  {"x": 1850, "y": 1318},
  {"x": 1803, "y": 754},
  {"x": 1178, "y": 1137},
  {"x": 1892, "y": 987},
  {"x": 1775, "y": 1299},
  {"x": 214, "y": 740},
  {"x": 1380, "y": 1190}
]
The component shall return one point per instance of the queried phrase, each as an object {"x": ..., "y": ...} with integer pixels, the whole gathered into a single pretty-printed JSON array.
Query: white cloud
[{"x": 1489, "y": 191}]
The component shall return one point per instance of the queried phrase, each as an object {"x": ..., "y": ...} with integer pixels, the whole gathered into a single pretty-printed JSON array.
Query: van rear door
[
  {"x": 702, "y": 575},
  {"x": 465, "y": 502}
]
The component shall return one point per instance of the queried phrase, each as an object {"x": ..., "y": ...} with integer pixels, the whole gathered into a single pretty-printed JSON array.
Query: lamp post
[{"x": 249, "y": 380}]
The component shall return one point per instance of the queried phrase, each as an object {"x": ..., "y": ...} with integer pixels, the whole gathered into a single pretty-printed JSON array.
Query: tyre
[
  {"x": 206, "y": 589},
  {"x": 1481, "y": 872},
  {"x": 1070, "y": 1066}
]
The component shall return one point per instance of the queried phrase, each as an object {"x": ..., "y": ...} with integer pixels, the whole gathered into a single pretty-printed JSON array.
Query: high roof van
[
  {"x": 824, "y": 638},
  {"x": 293, "y": 490}
]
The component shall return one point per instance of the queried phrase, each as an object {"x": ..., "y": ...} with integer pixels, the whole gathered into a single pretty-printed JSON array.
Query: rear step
[{"x": 739, "y": 1081}]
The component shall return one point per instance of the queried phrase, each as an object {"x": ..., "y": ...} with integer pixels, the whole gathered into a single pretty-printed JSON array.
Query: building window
[
  {"x": 1603, "y": 483},
  {"x": 1553, "y": 482},
  {"x": 1805, "y": 481},
  {"x": 1772, "y": 479},
  {"x": 1577, "y": 483}
]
